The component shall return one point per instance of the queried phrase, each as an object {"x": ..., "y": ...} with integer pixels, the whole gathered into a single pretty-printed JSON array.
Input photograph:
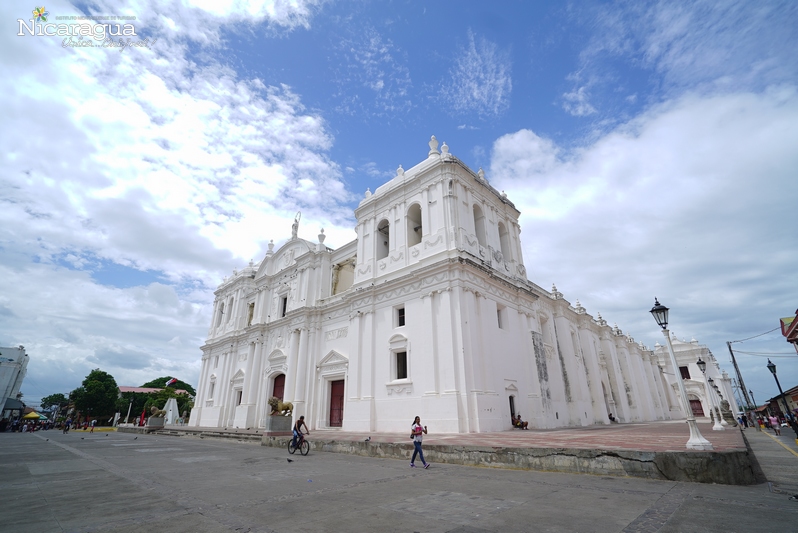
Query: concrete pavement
[{"x": 128, "y": 483}]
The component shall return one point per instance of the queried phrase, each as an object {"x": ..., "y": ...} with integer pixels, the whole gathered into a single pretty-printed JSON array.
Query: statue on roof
[{"x": 295, "y": 225}]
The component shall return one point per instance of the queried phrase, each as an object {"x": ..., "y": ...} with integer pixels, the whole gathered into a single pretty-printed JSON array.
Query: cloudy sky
[{"x": 652, "y": 149}]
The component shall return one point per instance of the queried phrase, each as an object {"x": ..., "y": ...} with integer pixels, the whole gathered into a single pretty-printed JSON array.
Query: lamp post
[
  {"x": 720, "y": 400},
  {"x": 788, "y": 413},
  {"x": 696, "y": 440},
  {"x": 702, "y": 365},
  {"x": 756, "y": 415}
]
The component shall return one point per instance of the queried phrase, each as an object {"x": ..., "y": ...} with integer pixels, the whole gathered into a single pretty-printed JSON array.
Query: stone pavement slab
[
  {"x": 777, "y": 456},
  {"x": 212, "y": 485}
]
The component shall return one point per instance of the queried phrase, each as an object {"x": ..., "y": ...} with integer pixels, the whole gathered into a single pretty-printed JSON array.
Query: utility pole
[
  {"x": 738, "y": 394},
  {"x": 740, "y": 378}
]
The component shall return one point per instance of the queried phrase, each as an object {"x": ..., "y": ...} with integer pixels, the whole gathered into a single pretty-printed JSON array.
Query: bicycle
[{"x": 302, "y": 445}]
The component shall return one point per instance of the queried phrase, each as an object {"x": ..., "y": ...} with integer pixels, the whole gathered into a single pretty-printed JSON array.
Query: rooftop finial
[
  {"x": 445, "y": 149},
  {"x": 481, "y": 173},
  {"x": 295, "y": 225},
  {"x": 400, "y": 171},
  {"x": 433, "y": 146}
]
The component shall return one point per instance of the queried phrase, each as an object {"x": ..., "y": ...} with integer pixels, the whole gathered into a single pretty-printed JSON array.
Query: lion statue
[
  {"x": 280, "y": 407},
  {"x": 154, "y": 411}
]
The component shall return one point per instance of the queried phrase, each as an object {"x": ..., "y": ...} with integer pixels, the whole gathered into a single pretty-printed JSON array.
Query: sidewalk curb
[{"x": 727, "y": 467}]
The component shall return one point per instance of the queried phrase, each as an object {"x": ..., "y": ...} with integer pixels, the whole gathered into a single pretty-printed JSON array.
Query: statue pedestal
[
  {"x": 155, "y": 422},
  {"x": 278, "y": 424}
]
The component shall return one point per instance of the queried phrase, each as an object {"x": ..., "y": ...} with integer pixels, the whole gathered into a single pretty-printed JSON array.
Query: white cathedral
[{"x": 427, "y": 312}]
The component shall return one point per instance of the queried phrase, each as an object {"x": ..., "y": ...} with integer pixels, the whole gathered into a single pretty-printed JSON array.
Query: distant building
[
  {"x": 687, "y": 355},
  {"x": 147, "y": 390},
  {"x": 776, "y": 404},
  {"x": 427, "y": 312},
  {"x": 789, "y": 328},
  {"x": 13, "y": 368}
]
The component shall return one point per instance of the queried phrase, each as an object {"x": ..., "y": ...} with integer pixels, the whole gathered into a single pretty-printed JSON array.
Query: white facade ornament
[
  {"x": 433, "y": 146},
  {"x": 445, "y": 149},
  {"x": 555, "y": 294},
  {"x": 400, "y": 171}
]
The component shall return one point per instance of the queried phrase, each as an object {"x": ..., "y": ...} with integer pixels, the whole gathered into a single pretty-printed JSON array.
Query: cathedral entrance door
[
  {"x": 695, "y": 406},
  {"x": 279, "y": 386},
  {"x": 337, "y": 403}
]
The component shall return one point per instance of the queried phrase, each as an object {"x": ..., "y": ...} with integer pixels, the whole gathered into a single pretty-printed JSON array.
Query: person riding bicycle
[{"x": 298, "y": 430}]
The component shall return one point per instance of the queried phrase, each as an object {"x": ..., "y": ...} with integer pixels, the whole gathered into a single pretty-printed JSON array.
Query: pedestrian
[
  {"x": 93, "y": 423},
  {"x": 416, "y": 431},
  {"x": 774, "y": 423},
  {"x": 67, "y": 424}
]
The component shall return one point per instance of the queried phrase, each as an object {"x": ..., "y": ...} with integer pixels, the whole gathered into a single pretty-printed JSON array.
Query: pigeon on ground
[
  {"x": 134, "y": 438},
  {"x": 368, "y": 439},
  {"x": 290, "y": 460},
  {"x": 81, "y": 438}
]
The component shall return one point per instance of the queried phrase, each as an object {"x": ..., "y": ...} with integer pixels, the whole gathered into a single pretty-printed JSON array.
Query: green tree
[
  {"x": 54, "y": 400},
  {"x": 97, "y": 394},
  {"x": 158, "y": 399},
  {"x": 160, "y": 383}
]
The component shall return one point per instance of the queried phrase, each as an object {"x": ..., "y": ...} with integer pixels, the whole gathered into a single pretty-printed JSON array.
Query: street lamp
[
  {"x": 717, "y": 401},
  {"x": 756, "y": 415},
  {"x": 702, "y": 365},
  {"x": 787, "y": 411},
  {"x": 696, "y": 440}
]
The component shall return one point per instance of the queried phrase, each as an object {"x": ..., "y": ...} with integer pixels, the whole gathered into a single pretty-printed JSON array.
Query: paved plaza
[{"x": 123, "y": 482}]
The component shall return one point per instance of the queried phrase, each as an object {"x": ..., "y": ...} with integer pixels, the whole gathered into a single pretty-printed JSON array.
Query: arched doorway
[
  {"x": 695, "y": 406},
  {"x": 512, "y": 407},
  {"x": 278, "y": 389}
]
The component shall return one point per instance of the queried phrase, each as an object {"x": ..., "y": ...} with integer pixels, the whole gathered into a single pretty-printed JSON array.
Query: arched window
[
  {"x": 414, "y": 228},
  {"x": 479, "y": 225},
  {"x": 221, "y": 314},
  {"x": 504, "y": 241},
  {"x": 383, "y": 239}
]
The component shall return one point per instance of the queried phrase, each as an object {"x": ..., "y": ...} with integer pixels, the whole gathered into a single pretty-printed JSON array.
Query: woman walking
[{"x": 416, "y": 431}]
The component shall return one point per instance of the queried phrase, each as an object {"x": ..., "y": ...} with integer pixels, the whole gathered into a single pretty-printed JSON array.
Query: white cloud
[
  {"x": 690, "y": 202},
  {"x": 666, "y": 49},
  {"x": 480, "y": 80},
  {"x": 576, "y": 102},
  {"x": 374, "y": 80},
  {"x": 148, "y": 159}
]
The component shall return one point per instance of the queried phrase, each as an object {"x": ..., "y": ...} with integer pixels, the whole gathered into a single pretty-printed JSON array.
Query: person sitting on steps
[{"x": 520, "y": 424}]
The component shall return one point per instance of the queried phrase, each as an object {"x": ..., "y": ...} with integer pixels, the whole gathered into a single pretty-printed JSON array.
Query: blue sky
[{"x": 651, "y": 147}]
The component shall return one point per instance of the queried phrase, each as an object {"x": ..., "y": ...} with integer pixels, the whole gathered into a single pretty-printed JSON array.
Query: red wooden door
[
  {"x": 279, "y": 386},
  {"x": 695, "y": 405},
  {"x": 337, "y": 403}
]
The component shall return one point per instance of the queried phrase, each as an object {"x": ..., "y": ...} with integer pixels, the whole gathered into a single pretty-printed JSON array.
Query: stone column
[
  {"x": 253, "y": 373},
  {"x": 290, "y": 375}
]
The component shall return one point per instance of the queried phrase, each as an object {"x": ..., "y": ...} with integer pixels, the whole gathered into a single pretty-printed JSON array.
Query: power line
[
  {"x": 769, "y": 353},
  {"x": 755, "y": 336},
  {"x": 766, "y": 354}
]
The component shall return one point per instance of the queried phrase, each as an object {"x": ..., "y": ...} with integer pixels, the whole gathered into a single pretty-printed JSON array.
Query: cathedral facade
[{"x": 427, "y": 312}]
